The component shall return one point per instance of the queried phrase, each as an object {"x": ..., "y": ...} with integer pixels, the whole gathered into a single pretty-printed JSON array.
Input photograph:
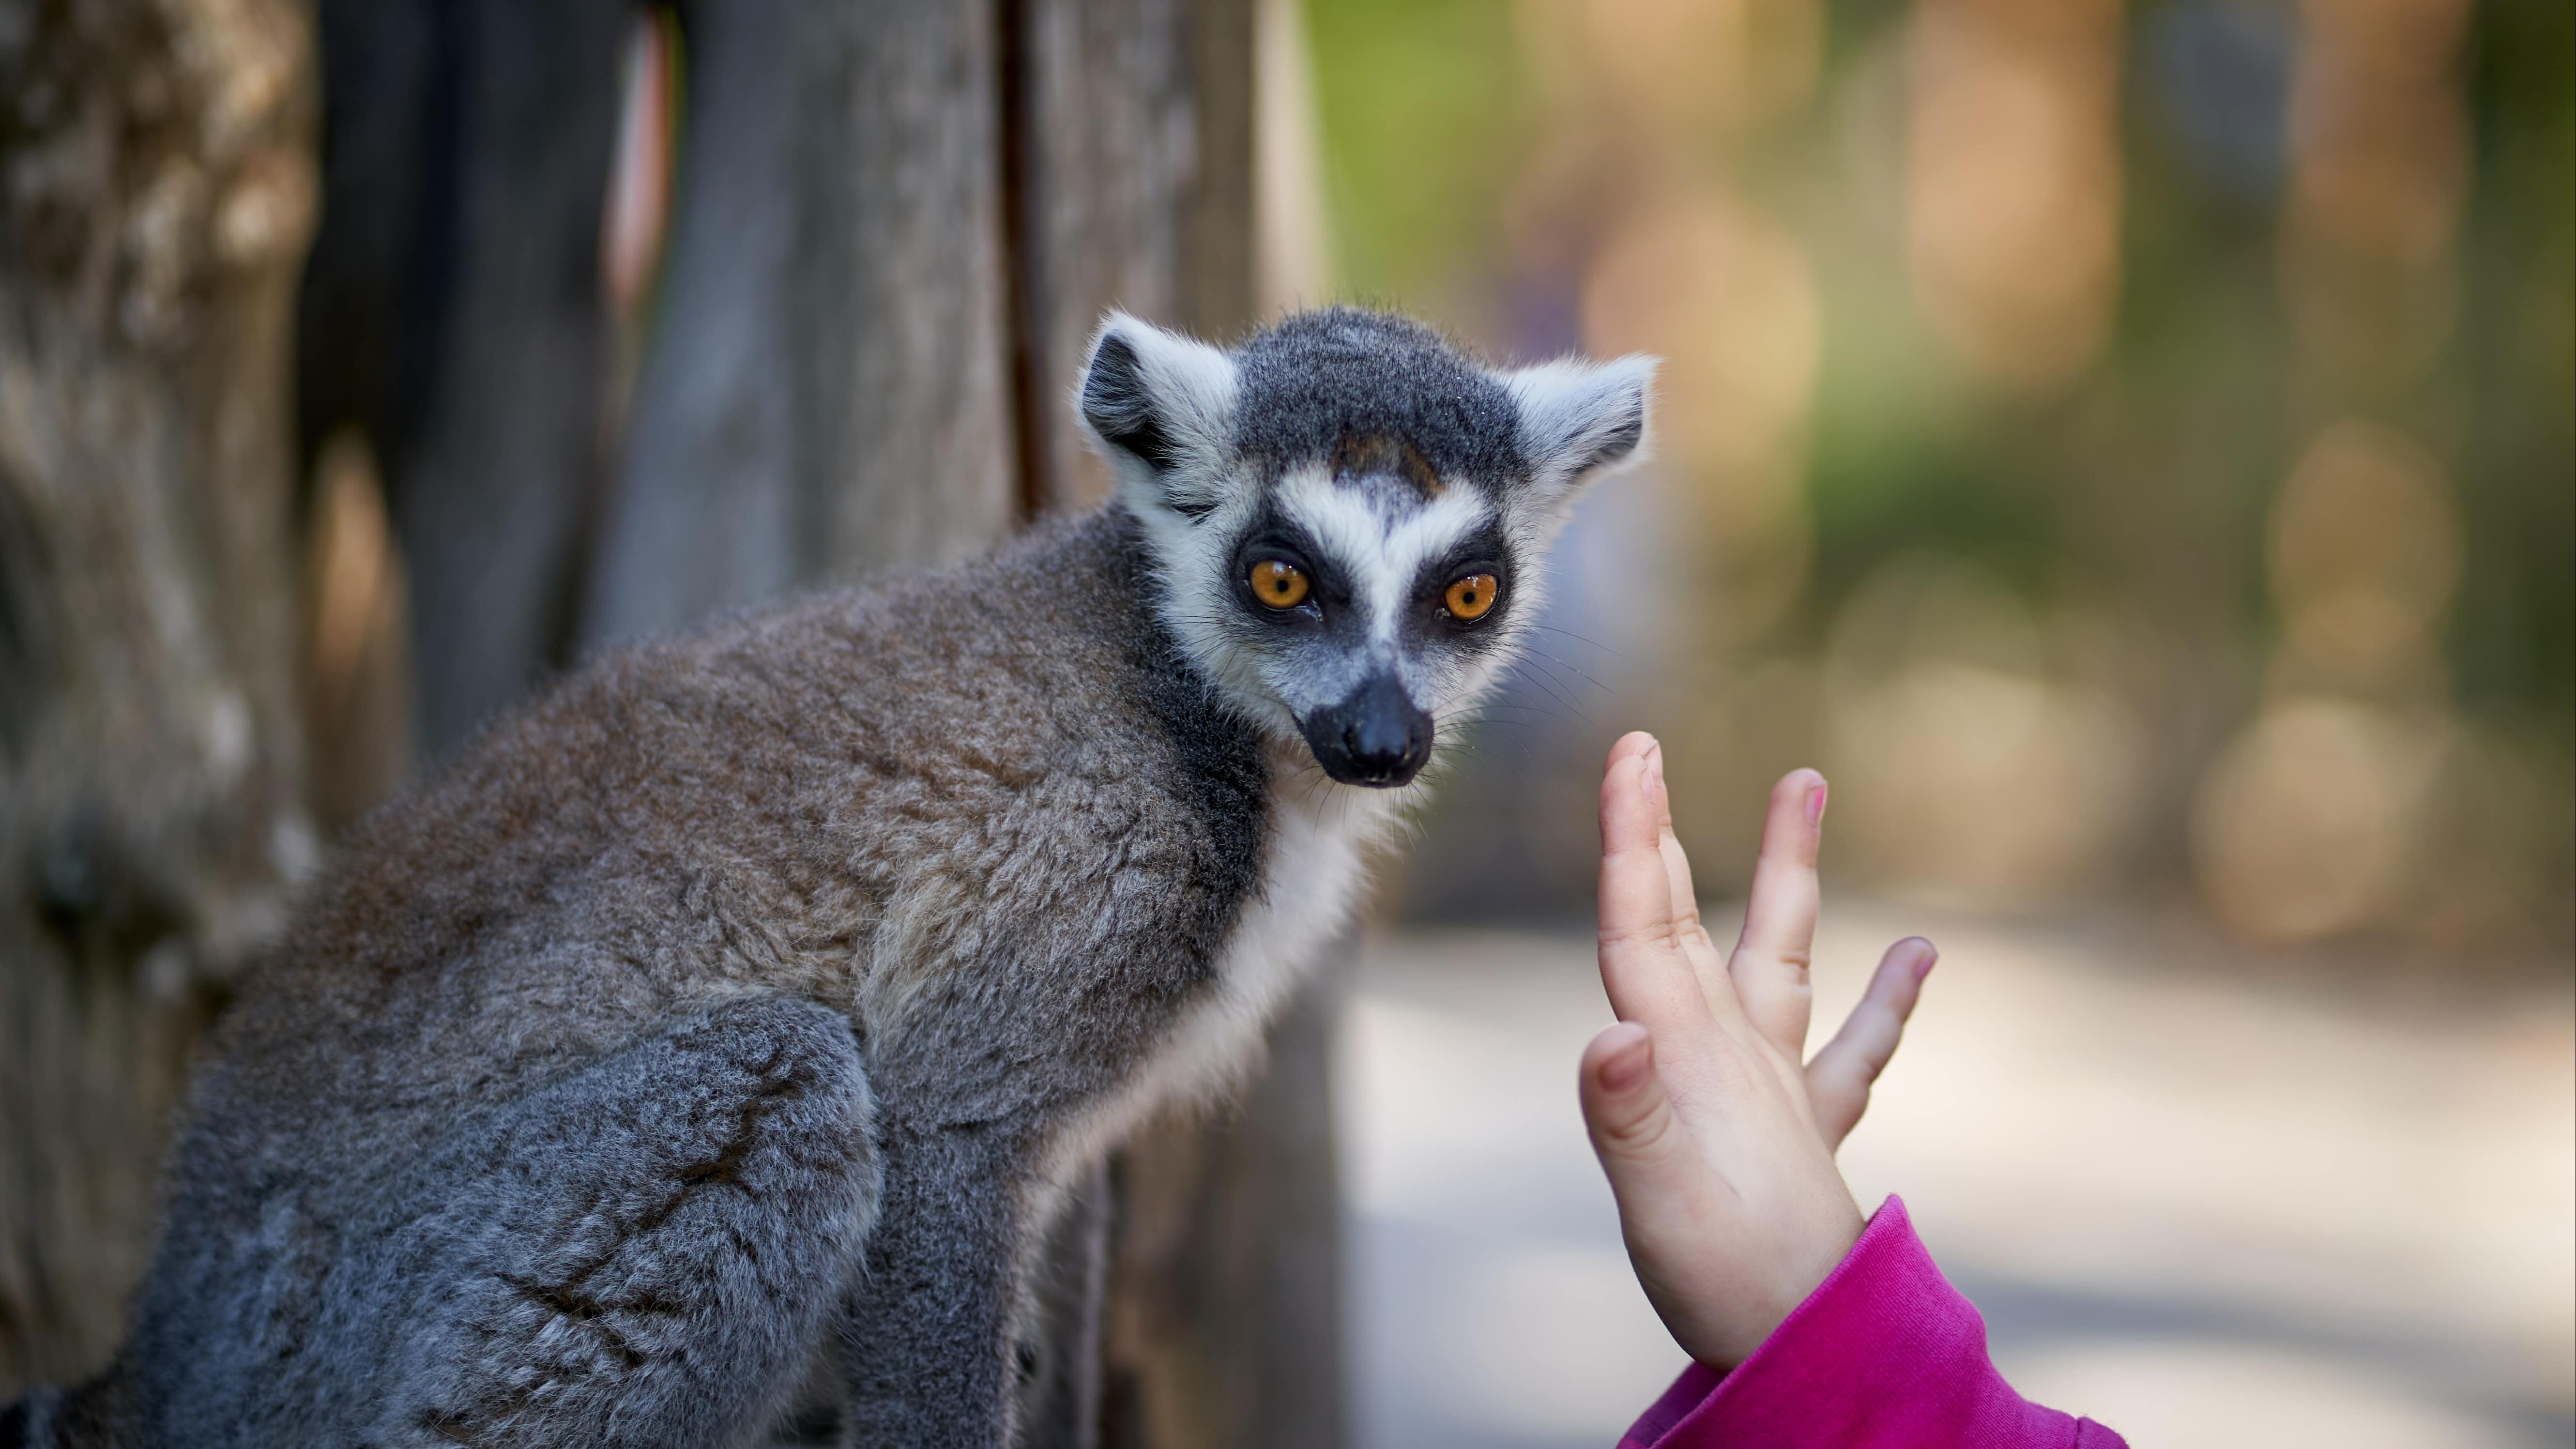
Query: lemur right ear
[
  {"x": 1579, "y": 419},
  {"x": 1160, "y": 408}
]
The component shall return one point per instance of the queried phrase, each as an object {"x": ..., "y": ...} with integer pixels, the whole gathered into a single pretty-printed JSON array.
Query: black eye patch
[
  {"x": 1271, "y": 536},
  {"x": 1483, "y": 551}
]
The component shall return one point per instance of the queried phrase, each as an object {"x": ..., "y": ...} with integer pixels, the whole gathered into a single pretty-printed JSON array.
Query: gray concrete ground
[{"x": 2205, "y": 1207}]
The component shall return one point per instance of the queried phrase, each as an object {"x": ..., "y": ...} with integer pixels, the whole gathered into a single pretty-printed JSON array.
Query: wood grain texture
[
  {"x": 1134, "y": 193},
  {"x": 453, "y": 310},
  {"x": 159, "y": 197},
  {"x": 900, "y": 313},
  {"x": 824, "y": 393}
]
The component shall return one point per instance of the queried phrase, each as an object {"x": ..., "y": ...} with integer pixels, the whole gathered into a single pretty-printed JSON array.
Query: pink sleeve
[{"x": 1885, "y": 1351}]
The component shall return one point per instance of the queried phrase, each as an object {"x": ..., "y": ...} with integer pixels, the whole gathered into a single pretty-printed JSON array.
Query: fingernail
[
  {"x": 1624, "y": 1072},
  {"x": 1816, "y": 804},
  {"x": 1651, "y": 780},
  {"x": 1926, "y": 957}
]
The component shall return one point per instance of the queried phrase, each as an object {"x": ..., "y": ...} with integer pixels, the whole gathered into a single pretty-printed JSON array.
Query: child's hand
[{"x": 1719, "y": 1145}]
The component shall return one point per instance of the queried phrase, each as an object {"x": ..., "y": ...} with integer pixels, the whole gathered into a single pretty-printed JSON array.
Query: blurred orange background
[{"x": 2128, "y": 448}]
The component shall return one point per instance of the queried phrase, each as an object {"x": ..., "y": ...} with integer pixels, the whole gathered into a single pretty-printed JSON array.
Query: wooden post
[
  {"x": 452, "y": 312},
  {"x": 1225, "y": 1295},
  {"x": 1129, "y": 146},
  {"x": 824, "y": 395},
  {"x": 161, "y": 193}
]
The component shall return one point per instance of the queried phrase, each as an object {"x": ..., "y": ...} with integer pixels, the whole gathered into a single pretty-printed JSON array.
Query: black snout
[{"x": 1376, "y": 737}]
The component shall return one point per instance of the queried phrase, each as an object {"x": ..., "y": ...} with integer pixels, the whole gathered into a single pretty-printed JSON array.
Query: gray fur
[
  {"x": 1320, "y": 377},
  {"x": 584, "y": 1264},
  {"x": 708, "y": 1052}
]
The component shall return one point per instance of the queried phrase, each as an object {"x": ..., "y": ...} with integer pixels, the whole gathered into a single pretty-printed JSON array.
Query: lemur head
[{"x": 1349, "y": 513}]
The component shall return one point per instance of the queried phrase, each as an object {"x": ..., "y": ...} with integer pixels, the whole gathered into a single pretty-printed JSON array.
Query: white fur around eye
[{"x": 1380, "y": 549}]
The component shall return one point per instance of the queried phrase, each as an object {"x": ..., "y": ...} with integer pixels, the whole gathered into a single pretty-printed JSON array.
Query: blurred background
[{"x": 2128, "y": 448}]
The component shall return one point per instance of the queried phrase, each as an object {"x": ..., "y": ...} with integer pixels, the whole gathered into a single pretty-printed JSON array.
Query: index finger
[{"x": 1643, "y": 965}]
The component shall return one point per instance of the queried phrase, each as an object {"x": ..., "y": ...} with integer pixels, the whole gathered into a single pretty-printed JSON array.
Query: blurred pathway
[{"x": 2204, "y": 1210}]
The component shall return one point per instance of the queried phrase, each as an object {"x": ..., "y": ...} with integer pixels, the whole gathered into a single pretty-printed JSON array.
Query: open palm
[{"x": 1716, "y": 1133}]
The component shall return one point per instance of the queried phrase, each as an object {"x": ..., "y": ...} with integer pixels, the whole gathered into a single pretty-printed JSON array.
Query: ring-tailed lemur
[{"x": 756, "y": 994}]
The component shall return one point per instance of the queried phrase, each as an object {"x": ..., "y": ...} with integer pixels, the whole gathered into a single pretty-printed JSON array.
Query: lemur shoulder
[{"x": 762, "y": 989}]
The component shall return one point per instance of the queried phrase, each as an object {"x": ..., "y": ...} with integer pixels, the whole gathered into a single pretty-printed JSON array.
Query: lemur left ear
[
  {"x": 1160, "y": 408},
  {"x": 1579, "y": 418}
]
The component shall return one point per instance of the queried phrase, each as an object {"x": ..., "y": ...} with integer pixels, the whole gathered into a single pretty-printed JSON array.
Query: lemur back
[{"x": 755, "y": 995}]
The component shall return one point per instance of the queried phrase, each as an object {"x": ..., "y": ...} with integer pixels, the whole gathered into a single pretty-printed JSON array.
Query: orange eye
[
  {"x": 1280, "y": 585},
  {"x": 1469, "y": 598}
]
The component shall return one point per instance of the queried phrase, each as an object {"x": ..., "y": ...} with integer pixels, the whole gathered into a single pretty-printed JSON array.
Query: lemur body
[{"x": 761, "y": 990}]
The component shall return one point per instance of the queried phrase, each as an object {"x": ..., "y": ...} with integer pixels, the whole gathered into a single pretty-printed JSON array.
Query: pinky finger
[{"x": 1840, "y": 1075}]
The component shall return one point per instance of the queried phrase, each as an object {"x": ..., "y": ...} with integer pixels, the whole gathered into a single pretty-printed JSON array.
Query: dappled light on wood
[{"x": 357, "y": 660}]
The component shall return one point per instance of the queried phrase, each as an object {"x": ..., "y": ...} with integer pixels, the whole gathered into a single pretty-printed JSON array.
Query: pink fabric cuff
[{"x": 1884, "y": 1352}]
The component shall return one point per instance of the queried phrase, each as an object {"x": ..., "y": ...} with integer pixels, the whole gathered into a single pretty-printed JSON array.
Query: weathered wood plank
[
  {"x": 452, "y": 311},
  {"x": 159, "y": 197},
  {"x": 824, "y": 395},
  {"x": 1133, "y": 192}
]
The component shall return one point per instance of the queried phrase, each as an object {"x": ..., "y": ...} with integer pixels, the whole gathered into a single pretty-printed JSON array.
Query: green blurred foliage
[
  {"x": 1422, "y": 132},
  {"x": 2139, "y": 491},
  {"x": 2514, "y": 633}
]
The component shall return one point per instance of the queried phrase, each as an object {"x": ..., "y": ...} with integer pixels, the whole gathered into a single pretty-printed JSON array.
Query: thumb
[{"x": 1639, "y": 1141}]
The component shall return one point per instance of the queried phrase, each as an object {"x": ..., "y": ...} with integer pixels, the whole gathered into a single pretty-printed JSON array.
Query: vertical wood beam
[
  {"x": 824, "y": 395},
  {"x": 1134, "y": 192},
  {"x": 452, "y": 309},
  {"x": 161, "y": 195},
  {"x": 1225, "y": 1302}
]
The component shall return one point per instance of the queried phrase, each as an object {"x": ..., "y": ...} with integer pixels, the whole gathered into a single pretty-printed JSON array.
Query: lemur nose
[
  {"x": 1375, "y": 737},
  {"x": 1382, "y": 740}
]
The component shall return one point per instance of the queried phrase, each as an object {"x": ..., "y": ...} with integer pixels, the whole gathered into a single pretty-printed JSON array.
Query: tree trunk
[
  {"x": 824, "y": 395},
  {"x": 453, "y": 313},
  {"x": 1128, "y": 142},
  {"x": 159, "y": 190}
]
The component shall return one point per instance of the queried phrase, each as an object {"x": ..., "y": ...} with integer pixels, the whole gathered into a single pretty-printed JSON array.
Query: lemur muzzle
[{"x": 1377, "y": 737}]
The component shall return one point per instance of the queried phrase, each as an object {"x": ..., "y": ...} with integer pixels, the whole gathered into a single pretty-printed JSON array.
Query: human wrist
[{"x": 1796, "y": 1270}]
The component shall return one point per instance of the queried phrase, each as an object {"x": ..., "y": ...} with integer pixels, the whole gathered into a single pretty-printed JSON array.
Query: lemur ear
[
  {"x": 1578, "y": 418},
  {"x": 1160, "y": 407}
]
